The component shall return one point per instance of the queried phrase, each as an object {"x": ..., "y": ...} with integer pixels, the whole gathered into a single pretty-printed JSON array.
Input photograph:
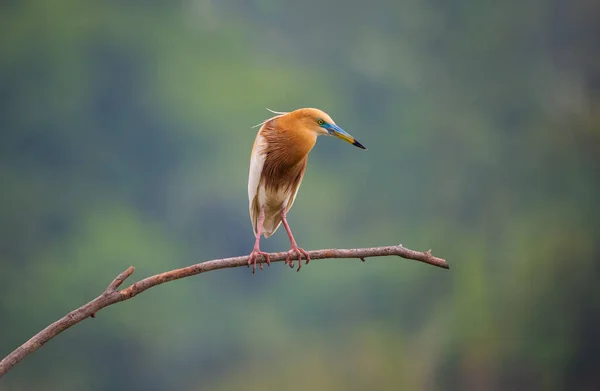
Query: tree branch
[{"x": 112, "y": 295}]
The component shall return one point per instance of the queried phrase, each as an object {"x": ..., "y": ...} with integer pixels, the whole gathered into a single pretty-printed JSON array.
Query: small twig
[
  {"x": 111, "y": 295},
  {"x": 119, "y": 280}
]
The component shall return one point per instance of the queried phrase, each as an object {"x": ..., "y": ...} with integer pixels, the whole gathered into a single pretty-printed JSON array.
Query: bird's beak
[{"x": 338, "y": 132}]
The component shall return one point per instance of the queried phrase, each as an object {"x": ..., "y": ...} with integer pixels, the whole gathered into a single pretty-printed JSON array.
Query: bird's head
[{"x": 321, "y": 123}]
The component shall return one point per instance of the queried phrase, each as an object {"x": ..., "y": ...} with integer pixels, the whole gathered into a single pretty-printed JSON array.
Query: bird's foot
[
  {"x": 296, "y": 251},
  {"x": 253, "y": 257}
]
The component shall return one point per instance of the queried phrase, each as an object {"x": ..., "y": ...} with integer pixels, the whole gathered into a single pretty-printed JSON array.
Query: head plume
[{"x": 279, "y": 114}]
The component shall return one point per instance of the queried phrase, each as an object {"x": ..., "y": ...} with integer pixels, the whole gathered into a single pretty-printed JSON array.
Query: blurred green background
[{"x": 125, "y": 140}]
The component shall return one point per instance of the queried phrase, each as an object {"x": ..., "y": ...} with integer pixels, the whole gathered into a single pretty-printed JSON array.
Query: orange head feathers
[
  {"x": 277, "y": 166},
  {"x": 311, "y": 120}
]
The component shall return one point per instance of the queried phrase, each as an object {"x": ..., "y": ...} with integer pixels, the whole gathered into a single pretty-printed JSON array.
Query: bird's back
[{"x": 277, "y": 166}]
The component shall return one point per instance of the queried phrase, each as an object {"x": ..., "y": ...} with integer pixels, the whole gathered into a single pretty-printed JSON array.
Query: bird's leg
[
  {"x": 256, "y": 251},
  {"x": 294, "y": 250}
]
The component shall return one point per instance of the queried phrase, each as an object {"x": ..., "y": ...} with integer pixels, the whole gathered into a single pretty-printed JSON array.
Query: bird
[{"x": 277, "y": 164}]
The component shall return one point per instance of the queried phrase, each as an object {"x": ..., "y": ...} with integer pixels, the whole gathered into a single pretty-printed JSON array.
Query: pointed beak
[{"x": 338, "y": 132}]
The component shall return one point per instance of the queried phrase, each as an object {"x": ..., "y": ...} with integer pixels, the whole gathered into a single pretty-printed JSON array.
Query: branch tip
[{"x": 119, "y": 279}]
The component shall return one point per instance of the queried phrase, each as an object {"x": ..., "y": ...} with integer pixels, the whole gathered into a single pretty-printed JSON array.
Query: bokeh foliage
[{"x": 126, "y": 133}]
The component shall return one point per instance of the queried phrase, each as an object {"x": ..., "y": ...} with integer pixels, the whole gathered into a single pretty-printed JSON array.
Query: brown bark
[{"x": 112, "y": 295}]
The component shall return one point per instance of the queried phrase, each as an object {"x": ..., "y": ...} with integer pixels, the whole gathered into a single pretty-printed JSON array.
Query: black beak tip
[{"x": 356, "y": 143}]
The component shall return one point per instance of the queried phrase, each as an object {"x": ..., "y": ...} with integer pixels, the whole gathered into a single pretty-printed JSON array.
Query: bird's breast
[{"x": 282, "y": 175}]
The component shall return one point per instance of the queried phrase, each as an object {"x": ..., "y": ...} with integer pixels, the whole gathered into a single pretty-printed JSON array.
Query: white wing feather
[{"x": 257, "y": 161}]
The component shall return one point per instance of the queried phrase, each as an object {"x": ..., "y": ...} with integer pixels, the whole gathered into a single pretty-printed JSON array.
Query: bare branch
[{"x": 111, "y": 295}]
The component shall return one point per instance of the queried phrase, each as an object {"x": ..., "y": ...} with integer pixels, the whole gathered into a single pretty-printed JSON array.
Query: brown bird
[{"x": 277, "y": 166}]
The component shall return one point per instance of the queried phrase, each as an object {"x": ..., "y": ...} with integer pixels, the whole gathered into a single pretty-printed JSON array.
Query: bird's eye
[{"x": 320, "y": 121}]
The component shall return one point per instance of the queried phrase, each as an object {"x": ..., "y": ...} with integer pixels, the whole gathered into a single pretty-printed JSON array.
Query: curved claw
[
  {"x": 253, "y": 257},
  {"x": 299, "y": 252}
]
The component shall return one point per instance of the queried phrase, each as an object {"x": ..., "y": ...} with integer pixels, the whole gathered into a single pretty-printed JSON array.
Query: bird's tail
[{"x": 271, "y": 224}]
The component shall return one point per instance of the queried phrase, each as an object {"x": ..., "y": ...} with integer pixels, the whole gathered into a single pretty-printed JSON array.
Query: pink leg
[
  {"x": 294, "y": 250},
  {"x": 256, "y": 251}
]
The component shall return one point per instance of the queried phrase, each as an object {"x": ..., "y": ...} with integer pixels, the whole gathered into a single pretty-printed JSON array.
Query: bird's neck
[
  {"x": 301, "y": 144},
  {"x": 291, "y": 144}
]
